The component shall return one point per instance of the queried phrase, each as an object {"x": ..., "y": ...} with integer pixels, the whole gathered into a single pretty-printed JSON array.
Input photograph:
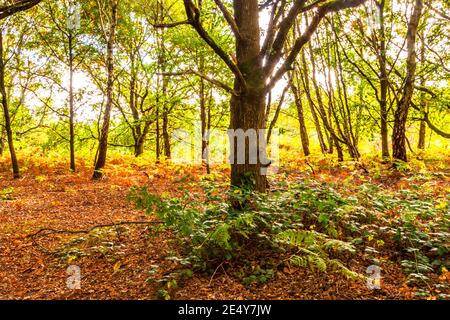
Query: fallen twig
[
  {"x": 48, "y": 231},
  {"x": 53, "y": 231},
  {"x": 312, "y": 168}
]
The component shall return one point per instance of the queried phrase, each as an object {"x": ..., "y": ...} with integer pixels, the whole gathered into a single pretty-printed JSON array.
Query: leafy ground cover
[{"x": 167, "y": 231}]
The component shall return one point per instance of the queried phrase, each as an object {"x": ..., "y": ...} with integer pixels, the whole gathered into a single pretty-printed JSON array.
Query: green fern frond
[
  {"x": 318, "y": 262},
  {"x": 221, "y": 236},
  {"x": 299, "y": 261},
  {"x": 339, "y": 246},
  {"x": 300, "y": 238},
  {"x": 338, "y": 266}
]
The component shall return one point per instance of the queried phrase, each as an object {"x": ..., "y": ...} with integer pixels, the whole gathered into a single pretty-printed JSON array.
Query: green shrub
[
  {"x": 308, "y": 225},
  {"x": 210, "y": 232}
]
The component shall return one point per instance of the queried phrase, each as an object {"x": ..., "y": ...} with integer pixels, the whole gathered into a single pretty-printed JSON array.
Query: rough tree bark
[
  {"x": 401, "y": 114},
  {"x": 248, "y": 108}
]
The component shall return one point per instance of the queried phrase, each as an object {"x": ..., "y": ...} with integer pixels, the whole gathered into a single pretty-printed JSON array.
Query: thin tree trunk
[
  {"x": 165, "y": 115},
  {"x": 422, "y": 135},
  {"x": 2, "y": 141},
  {"x": 164, "y": 131},
  {"x": 6, "y": 115},
  {"x": 136, "y": 126},
  {"x": 158, "y": 131},
  {"x": 203, "y": 118},
  {"x": 71, "y": 107},
  {"x": 139, "y": 147},
  {"x": 423, "y": 104},
  {"x": 277, "y": 112},
  {"x": 384, "y": 83},
  {"x": 307, "y": 88},
  {"x": 166, "y": 135},
  {"x": 208, "y": 127},
  {"x": 401, "y": 114},
  {"x": 103, "y": 143},
  {"x": 349, "y": 135},
  {"x": 301, "y": 119}
]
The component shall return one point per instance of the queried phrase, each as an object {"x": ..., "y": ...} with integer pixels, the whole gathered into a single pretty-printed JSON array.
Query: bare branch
[
  {"x": 328, "y": 7},
  {"x": 13, "y": 6},
  {"x": 171, "y": 25},
  {"x": 193, "y": 15},
  {"x": 215, "y": 82},
  {"x": 229, "y": 18},
  {"x": 440, "y": 13}
]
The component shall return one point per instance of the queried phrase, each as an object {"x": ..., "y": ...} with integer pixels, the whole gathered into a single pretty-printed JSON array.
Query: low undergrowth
[{"x": 321, "y": 226}]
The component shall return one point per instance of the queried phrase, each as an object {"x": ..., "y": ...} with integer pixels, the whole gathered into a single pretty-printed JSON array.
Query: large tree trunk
[
  {"x": 248, "y": 107},
  {"x": 6, "y": 115},
  {"x": 103, "y": 143},
  {"x": 247, "y": 113},
  {"x": 401, "y": 114},
  {"x": 340, "y": 153},
  {"x": 139, "y": 146},
  {"x": 252, "y": 79}
]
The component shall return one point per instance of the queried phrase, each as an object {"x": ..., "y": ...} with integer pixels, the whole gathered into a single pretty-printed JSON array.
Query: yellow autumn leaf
[
  {"x": 441, "y": 205},
  {"x": 117, "y": 266}
]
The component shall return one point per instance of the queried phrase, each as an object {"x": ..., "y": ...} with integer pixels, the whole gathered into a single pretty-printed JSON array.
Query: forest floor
[{"x": 115, "y": 261}]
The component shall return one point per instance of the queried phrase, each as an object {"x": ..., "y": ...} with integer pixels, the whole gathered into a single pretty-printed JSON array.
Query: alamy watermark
[
  {"x": 73, "y": 16},
  {"x": 373, "y": 277},
  {"x": 73, "y": 281},
  {"x": 233, "y": 146}
]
